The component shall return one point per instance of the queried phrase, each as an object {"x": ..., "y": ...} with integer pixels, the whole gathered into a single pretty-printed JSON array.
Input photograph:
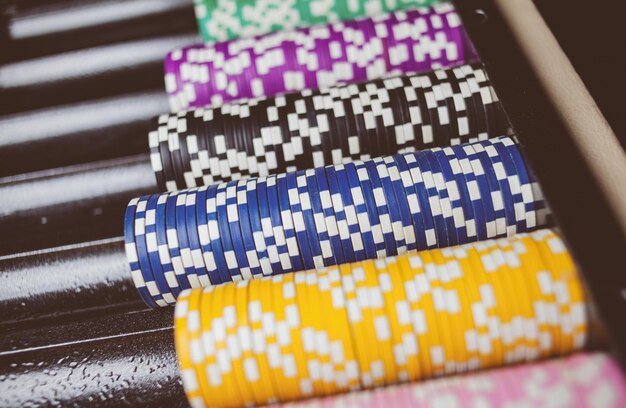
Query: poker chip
[
  {"x": 281, "y": 62},
  {"x": 143, "y": 252},
  {"x": 131, "y": 252},
  {"x": 227, "y": 19},
  {"x": 333, "y": 125},
  {"x": 347, "y": 327},
  {"x": 595, "y": 374},
  {"x": 332, "y": 215}
]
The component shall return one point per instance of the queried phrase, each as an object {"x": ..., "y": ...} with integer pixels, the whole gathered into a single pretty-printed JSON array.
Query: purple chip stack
[{"x": 316, "y": 57}]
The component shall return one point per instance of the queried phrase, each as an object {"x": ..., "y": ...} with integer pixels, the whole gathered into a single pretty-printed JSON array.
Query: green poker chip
[{"x": 221, "y": 20}]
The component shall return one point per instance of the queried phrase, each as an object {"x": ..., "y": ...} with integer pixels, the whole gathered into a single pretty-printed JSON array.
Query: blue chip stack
[{"x": 329, "y": 215}]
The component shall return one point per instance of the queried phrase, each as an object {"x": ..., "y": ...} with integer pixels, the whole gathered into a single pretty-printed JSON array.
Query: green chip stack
[{"x": 221, "y": 20}]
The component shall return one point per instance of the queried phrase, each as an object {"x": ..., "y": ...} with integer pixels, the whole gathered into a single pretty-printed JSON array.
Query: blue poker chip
[
  {"x": 431, "y": 233},
  {"x": 310, "y": 229},
  {"x": 319, "y": 214},
  {"x": 329, "y": 215},
  {"x": 343, "y": 223},
  {"x": 497, "y": 198},
  {"x": 493, "y": 205},
  {"x": 362, "y": 213},
  {"x": 432, "y": 200},
  {"x": 403, "y": 204},
  {"x": 215, "y": 236},
  {"x": 204, "y": 237},
  {"x": 444, "y": 199},
  {"x": 413, "y": 201},
  {"x": 356, "y": 229},
  {"x": 477, "y": 190},
  {"x": 193, "y": 238},
  {"x": 382, "y": 207},
  {"x": 421, "y": 189},
  {"x": 256, "y": 227},
  {"x": 298, "y": 220},
  {"x": 183, "y": 240},
  {"x": 152, "y": 249},
  {"x": 367, "y": 192},
  {"x": 288, "y": 225},
  {"x": 266, "y": 225},
  {"x": 181, "y": 266},
  {"x": 462, "y": 210},
  {"x": 527, "y": 181},
  {"x": 513, "y": 182},
  {"x": 246, "y": 229},
  {"x": 224, "y": 228},
  {"x": 132, "y": 254},
  {"x": 142, "y": 252},
  {"x": 394, "y": 207},
  {"x": 164, "y": 255},
  {"x": 277, "y": 224},
  {"x": 499, "y": 169},
  {"x": 232, "y": 212},
  {"x": 525, "y": 202}
]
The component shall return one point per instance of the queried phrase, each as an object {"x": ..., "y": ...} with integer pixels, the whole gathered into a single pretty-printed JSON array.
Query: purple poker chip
[{"x": 315, "y": 57}]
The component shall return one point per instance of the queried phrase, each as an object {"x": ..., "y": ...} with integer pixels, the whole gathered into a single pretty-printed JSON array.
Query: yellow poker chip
[
  {"x": 578, "y": 309},
  {"x": 312, "y": 384},
  {"x": 404, "y": 344},
  {"x": 381, "y": 325},
  {"x": 462, "y": 281},
  {"x": 422, "y": 314},
  {"x": 266, "y": 389},
  {"x": 491, "y": 344},
  {"x": 512, "y": 327},
  {"x": 342, "y": 355},
  {"x": 541, "y": 280},
  {"x": 322, "y": 346},
  {"x": 501, "y": 311},
  {"x": 245, "y": 368},
  {"x": 452, "y": 298},
  {"x": 270, "y": 329},
  {"x": 204, "y": 340},
  {"x": 181, "y": 339},
  {"x": 286, "y": 373},
  {"x": 280, "y": 341},
  {"x": 356, "y": 323},
  {"x": 528, "y": 344},
  {"x": 197, "y": 353},
  {"x": 573, "y": 306},
  {"x": 561, "y": 275},
  {"x": 364, "y": 283},
  {"x": 332, "y": 360},
  {"x": 517, "y": 350},
  {"x": 525, "y": 302},
  {"x": 338, "y": 308},
  {"x": 228, "y": 349},
  {"x": 552, "y": 278},
  {"x": 222, "y": 391},
  {"x": 529, "y": 267},
  {"x": 434, "y": 273},
  {"x": 295, "y": 359},
  {"x": 213, "y": 393}
]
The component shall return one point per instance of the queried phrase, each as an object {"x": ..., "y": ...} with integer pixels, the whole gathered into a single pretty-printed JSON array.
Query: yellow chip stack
[{"x": 408, "y": 318}]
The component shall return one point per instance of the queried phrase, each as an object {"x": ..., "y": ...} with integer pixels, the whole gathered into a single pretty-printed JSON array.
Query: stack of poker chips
[
  {"x": 587, "y": 380},
  {"x": 374, "y": 323},
  {"x": 315, "y": 57},
  {"x": 225, "y": 19},
  {"x": 329, "y": 216},
  {"x": 316, "y": 128}
]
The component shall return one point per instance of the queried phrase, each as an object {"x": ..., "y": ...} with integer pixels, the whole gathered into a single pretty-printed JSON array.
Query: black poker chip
[{"x": 329, "y": 126}]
